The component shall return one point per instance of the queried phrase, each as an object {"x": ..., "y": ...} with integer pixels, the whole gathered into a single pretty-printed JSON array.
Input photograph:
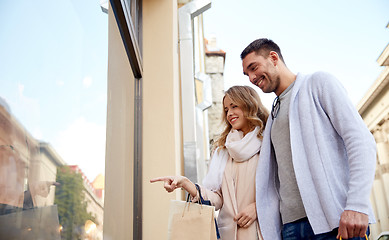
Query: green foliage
[{"x": 70, "y": 199}]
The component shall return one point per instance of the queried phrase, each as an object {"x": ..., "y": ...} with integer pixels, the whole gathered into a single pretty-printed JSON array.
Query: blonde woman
[{"x": 230, "y": 182}]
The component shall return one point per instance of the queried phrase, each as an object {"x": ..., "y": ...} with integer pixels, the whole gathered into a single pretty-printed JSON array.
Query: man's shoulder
[
  {"x": 320, "y": 78},
  {"x": 320, "y": 75},
  {"x": 319, "y": 83}
]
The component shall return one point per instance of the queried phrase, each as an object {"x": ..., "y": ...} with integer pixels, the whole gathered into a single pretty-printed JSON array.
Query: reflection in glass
[
  {"x": 53, "y": 69},
  {"x": 26, "y": 206}
]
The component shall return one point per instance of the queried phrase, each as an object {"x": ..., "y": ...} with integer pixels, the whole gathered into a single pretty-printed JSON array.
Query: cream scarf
[{"x": 239, "y": 148}]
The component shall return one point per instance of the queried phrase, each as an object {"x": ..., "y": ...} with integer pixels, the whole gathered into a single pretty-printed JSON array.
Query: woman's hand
[
  {"x": 246, "y": 217},
  {"x": 174, "y": 182}
]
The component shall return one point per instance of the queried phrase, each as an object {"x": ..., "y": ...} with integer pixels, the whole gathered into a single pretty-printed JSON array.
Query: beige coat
[{"x": 236, "y": 192}]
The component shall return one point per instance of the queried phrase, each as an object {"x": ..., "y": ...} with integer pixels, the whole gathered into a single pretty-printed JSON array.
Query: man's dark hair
[{"x": 262, "y": 46}]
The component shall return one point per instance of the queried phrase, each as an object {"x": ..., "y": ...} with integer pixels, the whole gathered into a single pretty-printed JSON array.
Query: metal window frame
[{"x": 131, "y": 33}]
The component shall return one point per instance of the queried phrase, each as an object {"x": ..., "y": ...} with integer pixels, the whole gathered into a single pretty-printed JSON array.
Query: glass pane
[{"x": 53, "y": 100}]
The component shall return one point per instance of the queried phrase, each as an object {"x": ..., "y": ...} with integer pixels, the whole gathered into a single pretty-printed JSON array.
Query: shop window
[{"x": 53, "y": 101}]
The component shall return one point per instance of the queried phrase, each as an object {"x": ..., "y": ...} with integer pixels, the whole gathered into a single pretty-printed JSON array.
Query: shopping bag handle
[
  {"x": 187, "y": 205},
  {"x": 188, "y": 201},
  {"x": 365, "y": 237},
  {"x": 202, "y": 201}
]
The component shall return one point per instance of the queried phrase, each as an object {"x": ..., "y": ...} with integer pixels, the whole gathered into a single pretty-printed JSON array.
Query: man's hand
[
  {"x": 246, "y": 217},
  {"x": 352, "y": 224}
]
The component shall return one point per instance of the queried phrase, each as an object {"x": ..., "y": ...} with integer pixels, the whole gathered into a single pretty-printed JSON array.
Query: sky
[
  {"x": 343, "y": 37},
  {"x": 53, "y": 58}
]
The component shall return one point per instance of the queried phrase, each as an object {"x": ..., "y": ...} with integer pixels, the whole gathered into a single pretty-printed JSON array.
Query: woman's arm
[
  {"x": 174, "y": 182},
  {"x": 216, "y": 197}
]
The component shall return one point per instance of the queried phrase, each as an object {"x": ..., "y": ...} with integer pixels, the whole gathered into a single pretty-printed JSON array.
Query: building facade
[
  {"x": 95, "y": 206},
  {"x": 374, "y": 109},
  {"x": 26, "y": 165},
  {"x": 214, "y": 65},
  {"x": 28, "y": 171},
  {"x": 157, "y": 120}
]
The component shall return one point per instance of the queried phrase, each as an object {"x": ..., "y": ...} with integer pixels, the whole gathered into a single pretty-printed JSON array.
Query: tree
[{"x": 70, "y": 199}]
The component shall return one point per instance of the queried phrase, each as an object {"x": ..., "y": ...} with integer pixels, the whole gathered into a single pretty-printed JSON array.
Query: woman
[{"x": 230, "y": 182}]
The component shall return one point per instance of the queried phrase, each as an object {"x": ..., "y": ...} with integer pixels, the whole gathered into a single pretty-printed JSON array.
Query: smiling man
[{"x": 317, "y": 159}]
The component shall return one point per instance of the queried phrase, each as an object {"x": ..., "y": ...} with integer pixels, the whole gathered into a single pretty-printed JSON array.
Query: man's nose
[{"x": 252, "y": 77}]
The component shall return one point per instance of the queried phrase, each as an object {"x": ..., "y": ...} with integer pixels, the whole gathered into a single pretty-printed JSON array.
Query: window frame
[{"x": 128, "y": 15}]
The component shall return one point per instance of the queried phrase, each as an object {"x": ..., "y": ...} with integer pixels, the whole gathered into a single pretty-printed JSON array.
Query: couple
[{"x": 304, "y": 172}]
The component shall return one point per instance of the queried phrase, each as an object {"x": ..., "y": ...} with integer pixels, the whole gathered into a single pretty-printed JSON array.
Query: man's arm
[{"x": 361, "y": 154}]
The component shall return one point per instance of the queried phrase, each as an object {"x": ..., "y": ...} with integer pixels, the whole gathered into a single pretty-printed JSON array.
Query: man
[{"x": 317, "y": 159}]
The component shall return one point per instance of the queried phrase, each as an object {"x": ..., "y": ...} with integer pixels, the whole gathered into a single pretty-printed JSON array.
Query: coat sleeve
[
  {"x": 358, "y": 141},
  {"x": 216, "y": 197}
]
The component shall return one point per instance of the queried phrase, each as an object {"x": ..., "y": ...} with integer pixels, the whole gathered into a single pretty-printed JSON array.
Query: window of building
[{"x": 53, "y": 104}]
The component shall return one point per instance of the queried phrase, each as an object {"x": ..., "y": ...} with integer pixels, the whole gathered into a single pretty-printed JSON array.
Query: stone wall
[{"x": 215, "y": 68}]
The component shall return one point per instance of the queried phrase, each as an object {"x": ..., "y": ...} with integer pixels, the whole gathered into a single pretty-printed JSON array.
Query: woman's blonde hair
[{"x": 248, "y": 100}]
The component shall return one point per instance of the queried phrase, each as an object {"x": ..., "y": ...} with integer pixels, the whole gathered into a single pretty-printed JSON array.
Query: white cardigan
[{"x": 333, "y": 153}]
